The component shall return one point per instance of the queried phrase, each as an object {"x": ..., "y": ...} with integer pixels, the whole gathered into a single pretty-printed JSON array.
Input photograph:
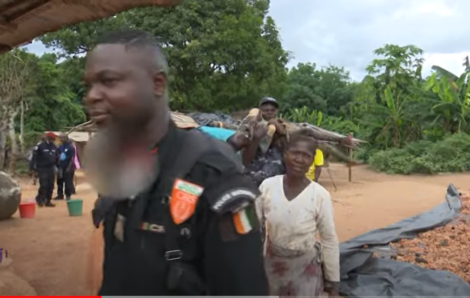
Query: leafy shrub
[
  {"x": 392, "y": 161},
  {"x": 452, "y": 154},
  {"x": 339, "y": 125},
  {"x": 364, "y": 152}
]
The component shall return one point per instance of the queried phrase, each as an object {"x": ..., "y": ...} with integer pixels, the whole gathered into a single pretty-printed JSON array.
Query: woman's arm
[
  {"x": 261, "y": 214},
  {"x": 259, "y": 204},
  {"x": 249, "y": 153},
  {"x": 317, "y": 173},
  {"x": 329, "y": 239}
]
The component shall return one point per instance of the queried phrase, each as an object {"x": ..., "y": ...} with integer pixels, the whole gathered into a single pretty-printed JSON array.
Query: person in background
[
  {"x": 315, "y": 169},
  {"x": 43, "y": 162},
  {"x": 292, "y": 211},
  {"x": 65, "y": 169},
  {"x": 76, "y": 166},
  {"x": 263, "y": 157}
]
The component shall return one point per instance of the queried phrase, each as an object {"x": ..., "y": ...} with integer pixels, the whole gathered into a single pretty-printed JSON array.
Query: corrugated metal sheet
[{"x": 23, "y": 20}]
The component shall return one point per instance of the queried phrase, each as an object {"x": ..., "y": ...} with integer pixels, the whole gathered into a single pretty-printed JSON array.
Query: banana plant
[
  {"x": 442, "y": 72},
  {"x": 389, "y": 120},
  {"x": 304, "y": 115},
  {"x": 453, "y": 105}
]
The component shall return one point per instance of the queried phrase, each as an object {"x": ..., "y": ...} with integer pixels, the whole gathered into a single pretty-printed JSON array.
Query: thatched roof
[{"x": 23, "y": 20}]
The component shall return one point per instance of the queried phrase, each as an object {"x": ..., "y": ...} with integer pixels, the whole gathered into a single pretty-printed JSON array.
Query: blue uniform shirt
[{"x": 66, "y": 153}]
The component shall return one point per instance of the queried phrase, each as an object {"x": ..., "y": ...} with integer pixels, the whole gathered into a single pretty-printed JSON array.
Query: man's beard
[{"x": 113, "y": 174}]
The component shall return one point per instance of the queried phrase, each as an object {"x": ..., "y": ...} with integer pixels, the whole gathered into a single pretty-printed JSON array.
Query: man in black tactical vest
[{"x": 192, "y": 230}]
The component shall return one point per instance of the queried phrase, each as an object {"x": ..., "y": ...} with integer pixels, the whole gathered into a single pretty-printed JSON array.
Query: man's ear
[{"x": 159, "y": 82}]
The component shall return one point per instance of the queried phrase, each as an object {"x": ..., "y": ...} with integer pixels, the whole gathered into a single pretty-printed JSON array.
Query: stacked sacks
[{"x": 10, "y": 196}]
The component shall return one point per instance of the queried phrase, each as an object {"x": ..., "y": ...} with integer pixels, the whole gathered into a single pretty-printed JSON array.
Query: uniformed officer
[
  {"x": 65, "y": 169},
  {"x": 43, "y": 162},
  {"x": 189, "y": 232}
]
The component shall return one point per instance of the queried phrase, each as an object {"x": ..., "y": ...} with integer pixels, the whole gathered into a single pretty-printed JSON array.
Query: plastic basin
[{"x": 75, "y": 207}]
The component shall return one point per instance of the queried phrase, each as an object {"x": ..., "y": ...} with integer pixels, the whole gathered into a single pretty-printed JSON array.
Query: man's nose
[{"x": 93, "y": 95}]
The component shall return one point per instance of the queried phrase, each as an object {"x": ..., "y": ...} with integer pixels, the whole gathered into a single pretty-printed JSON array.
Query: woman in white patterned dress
[{"x": 294, "y": 211}]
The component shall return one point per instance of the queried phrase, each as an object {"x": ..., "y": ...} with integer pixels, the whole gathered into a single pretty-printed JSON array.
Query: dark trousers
[
  {"x": 73, "y": 182},
  {"x": 46, "y": 185},
  {"x": 65, "y": 181}
]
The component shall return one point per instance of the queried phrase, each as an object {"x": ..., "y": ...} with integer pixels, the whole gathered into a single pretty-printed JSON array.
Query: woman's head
[{"x": 299, "y": 153}]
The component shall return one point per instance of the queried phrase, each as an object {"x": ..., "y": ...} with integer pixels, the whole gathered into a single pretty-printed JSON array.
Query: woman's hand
[
  {"x": 332, "y": 292},
  {"x": 260, "y": 131},
  {"x": 331, "y": 288}
]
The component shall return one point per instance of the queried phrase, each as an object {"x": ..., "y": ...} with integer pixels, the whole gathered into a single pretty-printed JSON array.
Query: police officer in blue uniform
[
  {"x": 65, "y": 169},
  {"x": 43, "y": 162},
  {"x": 194, "y": 231}
]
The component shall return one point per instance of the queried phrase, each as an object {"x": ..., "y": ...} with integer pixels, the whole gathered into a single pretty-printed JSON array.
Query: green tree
[
  {"x": 398, "y": 68},
  {"x": 223, "y": 55},
  {"x": 15, "y": 74},
  {"x": 326, "y": 90},
  {"x": 390, "y": 102},
  {"x": 52, "y": 103}
]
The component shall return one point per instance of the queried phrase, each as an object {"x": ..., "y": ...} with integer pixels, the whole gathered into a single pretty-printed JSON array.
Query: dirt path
[
  {"x": 374, "y": 200},
  {"x": 50, "y": 250}
]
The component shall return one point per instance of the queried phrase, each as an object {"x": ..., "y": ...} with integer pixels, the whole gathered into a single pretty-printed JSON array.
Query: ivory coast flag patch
[{"x": 245, "y": 220}]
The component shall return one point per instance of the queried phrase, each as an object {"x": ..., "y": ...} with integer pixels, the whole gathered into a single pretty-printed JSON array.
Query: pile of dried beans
[{"x": 443, "y": 248}]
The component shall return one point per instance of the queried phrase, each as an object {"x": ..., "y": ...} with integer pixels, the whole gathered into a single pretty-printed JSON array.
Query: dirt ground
[{"x": 50, "y": 250}]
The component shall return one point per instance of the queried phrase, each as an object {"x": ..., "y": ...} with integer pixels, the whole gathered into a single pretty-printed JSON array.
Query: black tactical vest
[{"x": 141, "y": 243}]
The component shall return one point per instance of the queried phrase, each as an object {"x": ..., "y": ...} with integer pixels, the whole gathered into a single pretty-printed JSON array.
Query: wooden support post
[{"x": 350, "y": 153}]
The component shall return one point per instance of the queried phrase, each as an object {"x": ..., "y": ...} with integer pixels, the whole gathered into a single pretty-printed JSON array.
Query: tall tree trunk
[
  {"x": 3, "y": 137},
  {"x": 21, "y": 136},
  {"x": 13, "y": 143}
]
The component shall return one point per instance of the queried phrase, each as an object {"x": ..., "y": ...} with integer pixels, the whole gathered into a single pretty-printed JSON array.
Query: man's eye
[{"x": 109, "y": 81}]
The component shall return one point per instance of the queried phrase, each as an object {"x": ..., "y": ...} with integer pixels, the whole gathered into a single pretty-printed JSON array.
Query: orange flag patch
[{"x": 183, "y": 200}]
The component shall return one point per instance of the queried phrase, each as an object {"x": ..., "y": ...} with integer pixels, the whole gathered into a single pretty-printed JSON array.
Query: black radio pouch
[{"x": 182, "y": 277}]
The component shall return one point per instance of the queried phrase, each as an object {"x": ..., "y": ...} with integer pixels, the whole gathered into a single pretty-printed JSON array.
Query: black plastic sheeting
[
  {"x": 363, "y": 275},
  {"x": 208, "y": 118}
]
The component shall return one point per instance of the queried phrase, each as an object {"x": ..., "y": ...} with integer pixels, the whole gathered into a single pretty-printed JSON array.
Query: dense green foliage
[
  {"x": 226, "y": 55},
  {"x": 448, "y": 155}
]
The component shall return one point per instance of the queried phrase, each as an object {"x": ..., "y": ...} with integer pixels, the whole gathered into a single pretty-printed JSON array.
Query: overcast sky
[{"x": 346, "y": 32}]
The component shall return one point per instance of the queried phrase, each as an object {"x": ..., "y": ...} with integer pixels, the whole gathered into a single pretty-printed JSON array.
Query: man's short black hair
[
  {"x": 132, "y": 38},
  {"x": 129, "y": 37}
]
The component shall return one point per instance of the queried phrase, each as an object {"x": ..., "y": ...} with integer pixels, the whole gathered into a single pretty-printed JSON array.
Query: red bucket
[{"x": 27, "y": 210}]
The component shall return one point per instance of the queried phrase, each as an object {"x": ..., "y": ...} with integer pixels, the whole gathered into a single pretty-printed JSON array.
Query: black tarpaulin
[
  {"x": 208, "y": 118},
  {"x": 363, "y": 275}
]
